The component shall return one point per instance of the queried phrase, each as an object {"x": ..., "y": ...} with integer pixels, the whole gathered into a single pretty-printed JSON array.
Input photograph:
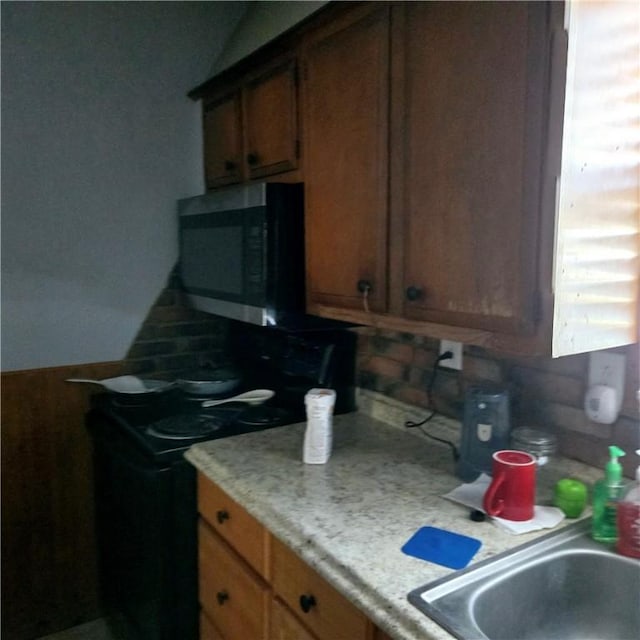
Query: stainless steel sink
[{"x": 563, "y": 585}]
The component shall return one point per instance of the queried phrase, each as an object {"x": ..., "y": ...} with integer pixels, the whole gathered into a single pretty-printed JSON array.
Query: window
[{"x": 598, "y": 225}]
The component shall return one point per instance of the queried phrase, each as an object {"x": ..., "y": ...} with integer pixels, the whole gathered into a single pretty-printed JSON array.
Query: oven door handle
[{"x": 131, "y": 458}]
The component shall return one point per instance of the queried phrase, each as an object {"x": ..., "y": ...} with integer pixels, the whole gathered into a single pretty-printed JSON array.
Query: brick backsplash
[
  {"x": 545, "y": 392},
  {"x": 175, "y": 339}
]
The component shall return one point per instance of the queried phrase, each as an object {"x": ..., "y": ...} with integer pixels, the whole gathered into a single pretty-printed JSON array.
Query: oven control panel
[
  {"x": 307, "y": 359},
  {"x": 297, "y": 360}
]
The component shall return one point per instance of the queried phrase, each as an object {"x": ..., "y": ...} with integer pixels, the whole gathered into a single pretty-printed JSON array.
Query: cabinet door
[
  {"x": 345, "y": 114},
  {"x": 379, "y": 634},
  {"x": 474, "y": 95},
  {"x": 222, "y": 127},
  {"x": 234, "y": 524},
  {"x": 208, "y": 630},
  {"x": 285, "y": 626},
  {"x": 326, "y": 612},
  {"x": 230, "y": 595},
  {"x": 272, "y": 122}
]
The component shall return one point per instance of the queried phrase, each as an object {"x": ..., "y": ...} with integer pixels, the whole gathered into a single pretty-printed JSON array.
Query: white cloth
[{"x": 471, "y": 495}]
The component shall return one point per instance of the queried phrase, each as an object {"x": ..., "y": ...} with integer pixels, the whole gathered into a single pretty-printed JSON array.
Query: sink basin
[{"x": 563, "y": 585}]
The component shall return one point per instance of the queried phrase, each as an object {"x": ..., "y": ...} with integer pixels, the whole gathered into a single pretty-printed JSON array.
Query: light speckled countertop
[{"x": 349, "y": 518}]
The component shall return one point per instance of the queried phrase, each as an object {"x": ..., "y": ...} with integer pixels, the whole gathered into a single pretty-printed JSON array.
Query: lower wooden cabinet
[
  {"x": 234, "y": 598},
  {"x": 280, "y": 598},
  {"x": 285, "y": 626},
  {"x": 379, "y": 634},
  {"x": 208, "y": 630},
  {"x": 326, "y": 612},
  {"x": 234, "y": 524}
]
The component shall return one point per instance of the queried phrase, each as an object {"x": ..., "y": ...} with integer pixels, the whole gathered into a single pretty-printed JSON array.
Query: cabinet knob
[
  {"x": 222, "y": 597},
  {"x": 229, "y": 165},
  {"x": 222, "y": 515},
  {"x": 307, "y": 602},
  {"x": 413, "y": 293},
  {"x": 364, "y": 286},
  {"x": 252, "y": 158}
]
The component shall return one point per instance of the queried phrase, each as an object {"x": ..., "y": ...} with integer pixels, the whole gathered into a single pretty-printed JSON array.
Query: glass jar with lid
[{"x": 543, "y": 445}]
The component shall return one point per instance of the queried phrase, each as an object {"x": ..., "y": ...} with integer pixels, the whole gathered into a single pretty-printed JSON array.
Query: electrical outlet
[
  {"x": 606, "y": 368},
  {"x": 456, "y": 349}
]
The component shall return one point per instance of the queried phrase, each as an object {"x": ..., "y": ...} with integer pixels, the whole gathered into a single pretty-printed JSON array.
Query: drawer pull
[
  {"x": 307, "y": 602},
  {"x": 222, "y": 597},
  {"x": 252, "y": 159},
  {"x": 222, "y": 515},
  {"x": 229, "y": 165}
]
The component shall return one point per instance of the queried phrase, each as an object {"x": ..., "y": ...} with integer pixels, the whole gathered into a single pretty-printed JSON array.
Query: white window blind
[{"x": 598, "y": 224}]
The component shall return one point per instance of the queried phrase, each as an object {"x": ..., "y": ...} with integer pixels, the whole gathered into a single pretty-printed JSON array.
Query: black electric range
[
  {"x": 145, "y": 491},
  {"x": 164, "y": 425}
]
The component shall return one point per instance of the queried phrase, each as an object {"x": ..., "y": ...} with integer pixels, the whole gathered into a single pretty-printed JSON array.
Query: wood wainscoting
[{"x": 49, "y": 562}]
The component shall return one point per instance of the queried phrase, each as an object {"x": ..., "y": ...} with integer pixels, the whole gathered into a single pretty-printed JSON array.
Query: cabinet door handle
[
  {"x": 222, "y": 597},
  {"x": 413, "y": 293},
  {"x": 229, "y": 166},
  {"x": 252, "y": 158},
  {"x": 307, "y": 602},
  {"x": 364, "y": 287},
  {"x": 222, "y": 515}
]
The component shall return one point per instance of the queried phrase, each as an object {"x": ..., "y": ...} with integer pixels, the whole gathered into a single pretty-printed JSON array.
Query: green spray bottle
[{"x": 606, "y": 494}]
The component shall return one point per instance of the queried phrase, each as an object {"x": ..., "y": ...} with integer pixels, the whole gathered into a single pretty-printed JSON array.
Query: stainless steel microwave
[{"x": 242, "y": 252}]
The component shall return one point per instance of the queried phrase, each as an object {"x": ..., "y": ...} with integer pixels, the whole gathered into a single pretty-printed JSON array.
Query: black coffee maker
[{"x": 485, "y": 429}]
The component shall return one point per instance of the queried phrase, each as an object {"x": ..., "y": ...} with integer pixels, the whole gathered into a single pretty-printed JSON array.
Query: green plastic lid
[{"x": 613, "y": 469}]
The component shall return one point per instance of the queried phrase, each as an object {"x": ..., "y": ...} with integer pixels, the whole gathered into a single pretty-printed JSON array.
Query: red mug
[{"x": 511, "y": 494}]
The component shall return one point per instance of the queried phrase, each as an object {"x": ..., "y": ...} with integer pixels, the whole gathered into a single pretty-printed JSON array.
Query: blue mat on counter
[{"x": 449, "y": 549}]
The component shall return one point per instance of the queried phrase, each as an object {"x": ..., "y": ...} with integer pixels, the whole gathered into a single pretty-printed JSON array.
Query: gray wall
[
  {"x": 262, "y": 22},
  {"x": 98, "y": 142}
]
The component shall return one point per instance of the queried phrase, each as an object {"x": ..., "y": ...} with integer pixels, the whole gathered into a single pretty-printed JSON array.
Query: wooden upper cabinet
[
  {"x": 439, "y": 183},
  {"x": 423, "y": 127},
  {"x": 473, "y": 99},
  {"x": 427, "y": 172},
  {"x": 222, "y": 123},
  {"x": 252, "y": 131},
  {"x": 345, "y": 97},
  {"x": 272, "y": 122}
]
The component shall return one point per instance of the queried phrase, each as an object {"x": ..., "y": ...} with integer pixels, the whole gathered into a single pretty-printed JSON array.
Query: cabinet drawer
[
  {"x": 328, "y": 614},
  {"x": 241, "y": 530},
  {"x": 379, "y": 634},
  {"x": 208, "y": 630},
  {"x": 285, "y": 626},
  {"x": 234, "y": 598}
]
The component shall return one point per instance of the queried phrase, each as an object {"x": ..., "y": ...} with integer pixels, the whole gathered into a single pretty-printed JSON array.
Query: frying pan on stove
[
  {"x": 131, "y": 391},
  {"x": 128, "y": 385},
  {"x": 210, "y": 382}
]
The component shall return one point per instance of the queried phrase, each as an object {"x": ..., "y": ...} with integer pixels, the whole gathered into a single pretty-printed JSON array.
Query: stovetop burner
[
  {"x": 186, "y": 426},
  {"x": 162, "y": 425},
  {"x": 264, "y": 416},
  {"x": 211, "y": 423}
]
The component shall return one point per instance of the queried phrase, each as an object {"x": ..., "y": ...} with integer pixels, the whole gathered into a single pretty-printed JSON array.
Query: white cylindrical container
[{"x": 318, "y": 436}]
